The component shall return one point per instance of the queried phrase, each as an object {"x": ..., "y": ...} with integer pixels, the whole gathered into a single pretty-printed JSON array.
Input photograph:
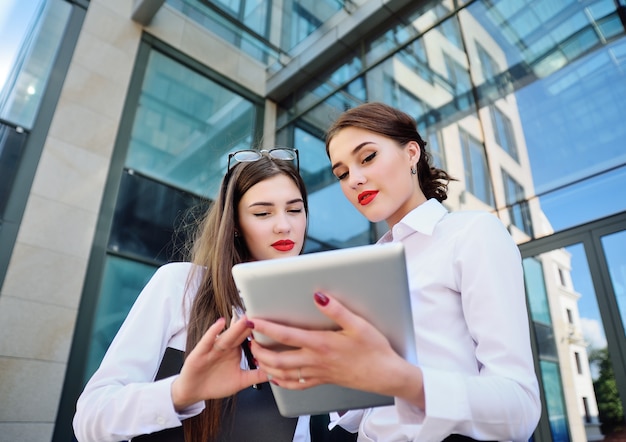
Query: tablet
[{"x": 370, "y": 280}]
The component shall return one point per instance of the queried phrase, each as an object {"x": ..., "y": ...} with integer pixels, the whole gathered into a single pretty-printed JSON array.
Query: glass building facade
[{"x": 522, "y": 101}]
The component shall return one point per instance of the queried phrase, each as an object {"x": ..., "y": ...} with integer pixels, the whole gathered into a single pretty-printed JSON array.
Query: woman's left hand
[
  {"x": 212, "y": 369},
  {"x": 355, "y": 356}
]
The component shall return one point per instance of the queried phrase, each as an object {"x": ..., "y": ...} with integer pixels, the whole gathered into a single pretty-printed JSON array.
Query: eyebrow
[
  {"x": 268, "y": 204},
  {"x": 354, "y": 152}
]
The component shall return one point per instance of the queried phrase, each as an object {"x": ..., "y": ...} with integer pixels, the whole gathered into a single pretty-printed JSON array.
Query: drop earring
[{"x": 413, "y": 170}]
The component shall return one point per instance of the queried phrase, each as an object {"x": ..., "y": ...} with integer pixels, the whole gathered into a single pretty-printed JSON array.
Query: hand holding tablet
[{"x": 360, "y": 278}]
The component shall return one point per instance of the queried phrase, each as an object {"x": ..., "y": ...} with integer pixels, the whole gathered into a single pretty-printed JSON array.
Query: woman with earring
[
  {"x": 475, "y": 377},
  {"x": 174, "y": 366}
]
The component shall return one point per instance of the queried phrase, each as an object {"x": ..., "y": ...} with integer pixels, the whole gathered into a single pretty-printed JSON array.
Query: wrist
[{"x": 179, "y": 400}]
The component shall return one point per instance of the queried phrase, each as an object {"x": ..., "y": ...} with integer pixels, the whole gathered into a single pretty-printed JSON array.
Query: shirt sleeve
[
  {"x": 121, "y": 400},
  {"x": 349, "y": 421},
  {"x": 502, "y": 401}
]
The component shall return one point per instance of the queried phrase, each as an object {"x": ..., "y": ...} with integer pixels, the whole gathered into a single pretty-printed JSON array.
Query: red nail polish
[
  {"x": 321, "y": 298},
  {"x": 249, "y": 324}
]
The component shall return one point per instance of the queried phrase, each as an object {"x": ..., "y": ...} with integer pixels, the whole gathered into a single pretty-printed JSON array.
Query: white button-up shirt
[
  {"x": 471, "y": 331},
  {"x": 121, "y": 400}
]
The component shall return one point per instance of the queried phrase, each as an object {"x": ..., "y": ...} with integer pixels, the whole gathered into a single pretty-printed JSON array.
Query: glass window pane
[
  {"x": 614, "y": 246},
  {"x": 536, "y": 291},
  {"x": 563, "y": 86},
  {"x": 579, "y": 385},
  {"x": 326, "y": 201},
  {"x": 12, "y": 143},
  {"x": 185, "y": 126},
  {"x": 31, "y": 34},
  {"x": 554, "y": 398},
  {"x": 150, "y": 218},
  {"x": 121, "y": 284}
]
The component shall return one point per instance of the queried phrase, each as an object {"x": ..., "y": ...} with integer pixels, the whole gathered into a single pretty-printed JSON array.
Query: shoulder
[
  {"x": 174, "y": 279},
  {"x": 174, "y": 270},
  {"x": 474, "y": 220}
]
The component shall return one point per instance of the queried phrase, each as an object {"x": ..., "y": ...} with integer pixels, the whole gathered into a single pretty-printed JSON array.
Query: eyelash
[
  {"x": 367, "y": 159},
  {"x": 262, "y": 214}
]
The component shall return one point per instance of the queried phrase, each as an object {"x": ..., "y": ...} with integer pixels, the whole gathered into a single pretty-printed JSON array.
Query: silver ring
[{"x": 300, "y": 378}]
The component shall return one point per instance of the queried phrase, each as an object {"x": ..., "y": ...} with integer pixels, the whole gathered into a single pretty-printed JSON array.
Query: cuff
[{"x": 349, "y": 421}]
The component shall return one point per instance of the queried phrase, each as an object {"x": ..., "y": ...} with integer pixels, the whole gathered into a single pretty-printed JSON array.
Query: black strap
[{"x": 255, "y": 416}]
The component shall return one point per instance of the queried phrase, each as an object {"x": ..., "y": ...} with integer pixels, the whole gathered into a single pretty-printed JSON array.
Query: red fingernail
[
  {"x": 274, "y": 382},
  {"x": 249, "y": 324},
  {"x": 321, "y": 298}
]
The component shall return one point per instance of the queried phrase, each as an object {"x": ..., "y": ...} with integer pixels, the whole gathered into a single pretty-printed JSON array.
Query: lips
[
  {"x": 284, "y": 245},
  {"x": 367, "y": 197}
]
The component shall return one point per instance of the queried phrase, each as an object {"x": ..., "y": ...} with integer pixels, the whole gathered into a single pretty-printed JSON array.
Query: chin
[{"x": 374, "y": 217}]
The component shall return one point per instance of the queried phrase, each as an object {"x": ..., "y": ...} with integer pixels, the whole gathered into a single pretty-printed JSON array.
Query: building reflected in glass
[{"x": 116, "y": 122}]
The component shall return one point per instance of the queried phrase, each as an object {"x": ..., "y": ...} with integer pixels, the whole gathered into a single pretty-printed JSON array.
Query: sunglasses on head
[{"x": 250, "y": 155}]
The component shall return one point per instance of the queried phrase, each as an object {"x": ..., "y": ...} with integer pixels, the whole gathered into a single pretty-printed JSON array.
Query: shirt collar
[{"x": 422, "y": 219}]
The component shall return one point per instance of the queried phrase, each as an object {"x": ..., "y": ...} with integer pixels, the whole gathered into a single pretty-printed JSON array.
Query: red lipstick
[
  {"x": 284, "y": 245},
  {"x": 367, "y": 197}
]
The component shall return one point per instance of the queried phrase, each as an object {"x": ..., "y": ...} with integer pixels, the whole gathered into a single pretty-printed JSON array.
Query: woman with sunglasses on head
[
  {"x": 182, "y": 315},
  {"x": 475, "y": 377}
]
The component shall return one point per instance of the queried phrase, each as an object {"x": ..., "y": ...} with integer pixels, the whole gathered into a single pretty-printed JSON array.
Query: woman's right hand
[
  {"x": 356, "y": 356},
  {"x": 213, "y": 369}
]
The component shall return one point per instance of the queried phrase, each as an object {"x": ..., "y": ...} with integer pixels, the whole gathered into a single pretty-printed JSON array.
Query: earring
[
  {"x": 236, "y": 234},
  {"x": 413, "y": 170}
]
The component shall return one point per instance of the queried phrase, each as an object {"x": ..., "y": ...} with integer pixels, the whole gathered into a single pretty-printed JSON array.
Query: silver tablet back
[{"x": 369, "y": 280}]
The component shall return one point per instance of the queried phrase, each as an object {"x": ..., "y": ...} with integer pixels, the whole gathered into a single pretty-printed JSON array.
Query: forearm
[
  {"x": 485, "y": 407},
  {"x": 403, "y": 380},
  {"x": 115, "y": 413}
]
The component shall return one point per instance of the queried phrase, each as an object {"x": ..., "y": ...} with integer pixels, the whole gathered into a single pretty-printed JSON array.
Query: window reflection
[
  {"x": 577, "y": 374},
  {"x": 12, "y": 143},
  {"x": 121, "y": 284},
  {"x": 185, "y": 125},
  {"x": 475, "y": 167},
  {"x": 31, "y": 40},
  {"x": 151, "y": 219},
  {"x": 614, "y": 246},
  {"x": 251, "y": 24},
  {"x": 500, "y": 77}
]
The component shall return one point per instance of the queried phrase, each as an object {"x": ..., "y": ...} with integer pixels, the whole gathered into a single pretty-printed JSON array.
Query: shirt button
[{"x": 160, "y": 420}]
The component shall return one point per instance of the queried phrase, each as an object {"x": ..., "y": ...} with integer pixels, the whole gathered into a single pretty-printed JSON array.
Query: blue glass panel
[
  {"x": 615, "y": 251},
  {"x": 333, "y": 222},
  {"x": 150, "y": 220},
  {"x": 536, "y": 291},
  {"x": 185, "y": 126},
  {"x": 553, "y": 392},
  {"x": 31, "y": 34},
  {"x": 121, "y": 284}
]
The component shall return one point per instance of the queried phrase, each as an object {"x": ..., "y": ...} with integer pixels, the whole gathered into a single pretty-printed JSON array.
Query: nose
[
  {"x": 356, "y": 178},
  {"x": 282, "y": 224}
]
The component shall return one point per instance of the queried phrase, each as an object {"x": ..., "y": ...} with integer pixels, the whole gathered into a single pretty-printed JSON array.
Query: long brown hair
[
  {"x": 216, "y": 249},
  {"x": 392, "y": 123}
]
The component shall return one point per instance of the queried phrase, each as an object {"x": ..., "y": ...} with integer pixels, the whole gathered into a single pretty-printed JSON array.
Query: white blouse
[
  {"x": 471, "y": 331},
  {"x": 121, "y": 400}
]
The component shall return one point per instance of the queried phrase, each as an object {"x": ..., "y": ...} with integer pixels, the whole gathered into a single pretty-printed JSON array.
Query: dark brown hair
[
  {"x": 392, "y": 123},
  {"x": 216, "y": 249}
]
